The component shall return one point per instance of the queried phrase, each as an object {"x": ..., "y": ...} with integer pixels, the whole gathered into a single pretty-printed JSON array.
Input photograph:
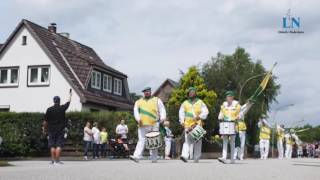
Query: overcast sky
[{"x": 151, "y": 40}]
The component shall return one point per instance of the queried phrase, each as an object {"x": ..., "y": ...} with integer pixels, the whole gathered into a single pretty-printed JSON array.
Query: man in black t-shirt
[{"x": 54, "y": 126}]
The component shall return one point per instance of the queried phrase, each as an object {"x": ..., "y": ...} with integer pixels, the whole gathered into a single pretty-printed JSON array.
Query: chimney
[{"x": 52, "y": 27}]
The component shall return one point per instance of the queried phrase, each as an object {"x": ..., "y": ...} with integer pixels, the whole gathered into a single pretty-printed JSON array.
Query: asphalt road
[{"x": 250, "y": 169}]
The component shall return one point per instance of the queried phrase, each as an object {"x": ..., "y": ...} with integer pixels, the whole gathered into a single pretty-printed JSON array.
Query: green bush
[{"x": 22, "y": 134}]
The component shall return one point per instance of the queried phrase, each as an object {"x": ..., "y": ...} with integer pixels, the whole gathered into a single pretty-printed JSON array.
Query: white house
[{"x": 37, "y": 63}]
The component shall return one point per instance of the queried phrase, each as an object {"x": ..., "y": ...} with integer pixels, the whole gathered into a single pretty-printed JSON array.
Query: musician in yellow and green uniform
[
  {"x": 289, "y": 143},
  {"x": 192, "y": 112},
  {"x": 149, "y": 111},
  {"x": 280, "y": 139},
  {"x": 265, "y": 132},
  {"x": 229, "y": 113},
  {"x": 241, "y": 128}
]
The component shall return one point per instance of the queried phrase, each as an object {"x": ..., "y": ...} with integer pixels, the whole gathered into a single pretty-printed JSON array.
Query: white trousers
[
  {"x": 288, "y": 151},
  {"x": 225, "y": 139},
  {"x": 191, "y": 149},
  {"x": 239, "y": 151},
  {"x": 168, "y": 146},
  {"x": 264, "y": 148},
  {"x": 142, "y": 131},
  {"x": 280, "y": 148}
]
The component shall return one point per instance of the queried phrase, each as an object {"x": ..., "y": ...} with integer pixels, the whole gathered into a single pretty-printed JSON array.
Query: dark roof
[
  {"x": 1, "y": 46},
  {"x": 76, "y": 62},
  {"x": 171, "y": 82}
]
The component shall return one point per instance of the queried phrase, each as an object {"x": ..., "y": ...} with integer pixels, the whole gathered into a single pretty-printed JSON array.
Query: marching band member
[
  {"x": 264, "y": 136},
  {"x": 148, "y": 111},
  {"x": 280, "y": 138},
  {"x": 192, "y": 112},
  {"x": 289, "y": 144},
  {"x": 241, "y": 127},
  {"x": 298, "y": 143},
  {"x": 229, "y": 112}
]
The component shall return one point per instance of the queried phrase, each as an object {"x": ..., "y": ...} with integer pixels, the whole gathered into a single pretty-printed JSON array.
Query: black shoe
[{"x": 183, "y": 159}]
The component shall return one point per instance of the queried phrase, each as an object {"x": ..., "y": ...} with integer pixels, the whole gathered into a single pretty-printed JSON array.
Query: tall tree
[
  {"x": 238, "y": 72},
  {"x": 192, "y": 78}
]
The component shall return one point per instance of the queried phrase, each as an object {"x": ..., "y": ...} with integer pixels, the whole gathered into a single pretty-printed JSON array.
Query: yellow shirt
[
  {"x": 191, "y": 111},
  {"x": 230, "y": 112},
  {"x": 104, "y": 137},
  {"x": 280, "y": 135},
  {"x": 148, "y": 110},
  {"x": 265, "y": 132},
  {"x": 241, "y": 125},
  {"x": 289, "y": 140}
]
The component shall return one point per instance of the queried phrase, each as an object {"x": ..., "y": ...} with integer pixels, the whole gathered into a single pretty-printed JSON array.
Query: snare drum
[
  {"x": 197, "y": 133},
  {"x": 153, "y": 140},
  {"x": 227, "y": 128}
]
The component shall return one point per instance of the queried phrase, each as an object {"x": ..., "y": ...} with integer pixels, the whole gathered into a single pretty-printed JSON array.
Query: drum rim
[{"x": 158, "y": 133}]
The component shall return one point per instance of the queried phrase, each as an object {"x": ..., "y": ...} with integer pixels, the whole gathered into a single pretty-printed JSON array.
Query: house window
[
  {"x": 9, "y": 76},
  {"x": 117, "y": 87},
  {"x": 38, "y": 75},
  {"x": 107, "y": 83},
  {"x": 24, "y": 40},
  {"x": 96, "y": 80}
]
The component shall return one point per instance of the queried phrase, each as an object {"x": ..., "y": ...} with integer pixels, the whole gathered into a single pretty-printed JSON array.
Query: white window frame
[
  {"x": 117, "y": 86},
  {"x": 39, "y": 70},
  {"x": 8, "y": 83},
  {"x": 94, "y": 83},
  {"x": 106, "y": 86}
]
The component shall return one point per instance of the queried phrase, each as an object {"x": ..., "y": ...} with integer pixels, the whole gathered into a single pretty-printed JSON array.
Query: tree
[
  {"x": 135, "y": 96},
  {"x": 231, "y": 72},
  {"x": 192, "y": 78},
  {"x": 311, "y": 135}
]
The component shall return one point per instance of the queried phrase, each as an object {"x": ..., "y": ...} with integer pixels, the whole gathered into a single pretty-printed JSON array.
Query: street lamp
[{"x": 274, "y": 120}]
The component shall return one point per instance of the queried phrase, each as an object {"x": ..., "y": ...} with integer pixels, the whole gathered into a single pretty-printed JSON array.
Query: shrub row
[{"x": 22, "y": 133}]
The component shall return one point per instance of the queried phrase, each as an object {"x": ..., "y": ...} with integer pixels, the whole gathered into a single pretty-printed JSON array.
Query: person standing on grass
[
  {"x": 87, "y": 139},
  {"x": 54, "y": 125}
]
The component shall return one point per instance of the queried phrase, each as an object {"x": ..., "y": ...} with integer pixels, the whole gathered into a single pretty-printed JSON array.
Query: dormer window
[
  {"x": 117, "y": 87},
  {"x": 107, "y": 83},
  {"x": 24, "y": 40},
  {"x": 96, "y": 80}
]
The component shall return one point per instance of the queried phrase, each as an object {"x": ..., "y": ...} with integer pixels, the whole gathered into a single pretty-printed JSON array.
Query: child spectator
[{"x": 104, "y": 142}]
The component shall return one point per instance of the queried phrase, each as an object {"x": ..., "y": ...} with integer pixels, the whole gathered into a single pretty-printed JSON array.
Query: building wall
[
  {"x": 33, "y": 99},
  {"x": 165, "y": 92}
]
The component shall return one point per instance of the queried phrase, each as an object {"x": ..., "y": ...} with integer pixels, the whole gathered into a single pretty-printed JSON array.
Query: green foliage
[
  {"x": 311, "y": 135},
  {"x": 191, "y": 79},
  {"x": 231, "y": 72},
  {"x": 135, "y": 96},
  {"x": 22, "y": 133}
]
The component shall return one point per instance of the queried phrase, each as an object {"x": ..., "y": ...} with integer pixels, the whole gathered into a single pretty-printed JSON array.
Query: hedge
[{"x": 22, "y": 134}]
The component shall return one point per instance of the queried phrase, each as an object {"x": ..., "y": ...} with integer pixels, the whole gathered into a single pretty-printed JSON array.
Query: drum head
[{"x": 152, "y": 134}]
